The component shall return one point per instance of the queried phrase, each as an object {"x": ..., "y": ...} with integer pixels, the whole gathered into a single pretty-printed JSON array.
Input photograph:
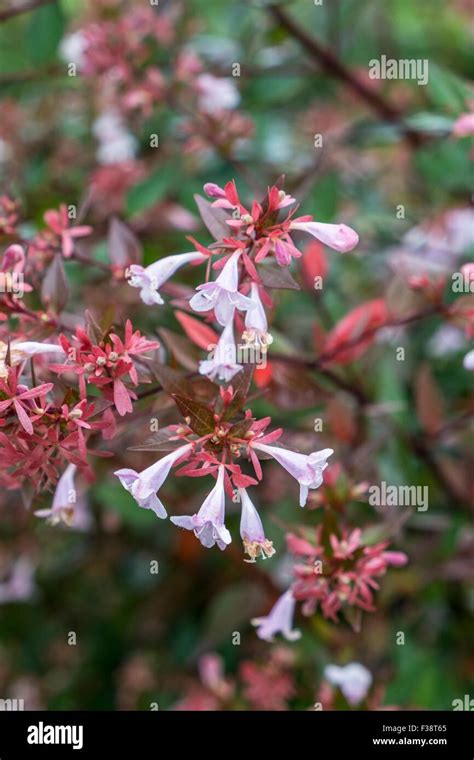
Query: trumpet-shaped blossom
[
  {"x": 256, "y": 325},
  {"x": 306, "y": 469},
  {"x": 251, "y": 530},
  {"x": 21, "y": 350},
  {"x": 144, "y": 485},
  {"x": 150, "y": 279},
  {"x": 19, "y": 587},
  {"x": 222, "y": 364},
  {"x": 338, "y": 236},
  {"x": 67, "y": 507},
  {"x": 278, "y": 620},
  {"x": 468, "y": 361},
  {"x": 354, "y": 680},
  {"x": 222, "y": 295},
  {"x": 208, "y": 523}
]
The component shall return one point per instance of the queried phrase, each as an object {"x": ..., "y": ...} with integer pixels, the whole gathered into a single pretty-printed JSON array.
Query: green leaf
[
  {"x": 324, "y": 198},
  {"x": 147, "y": 193},
  {"x": 44, "y": 32},
  {"x": 446, "y": 90},
  {"x": 113, "y": 496}
]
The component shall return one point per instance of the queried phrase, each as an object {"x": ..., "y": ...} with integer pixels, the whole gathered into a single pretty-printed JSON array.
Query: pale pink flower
[
  {"x": 338, "y": 236},
  {"x": 143, "y": 486},
  {"x": 208, "y": 523},
  {"x": 216, "y": 93},
  {"x": 307, "y": 469},
  {"x": 354, "y": 680},
  {"x": 251, "y": 530},
  {"x": 213, "y": 190},
  {"x": 19, "y": 587},
  {"x": 278, "y": 620},
  {"x": 66, "y": 508},
  {"x": 72, "y": 48},
  {"x": 464, "y": 125},
  {"x": 467, "y": 271},
  {"x": 211, "y": 672},
  {"x": 223, "y": 362},
  {"x": 222, "y": 295},
  {"x": 149, "y": 279},
  {"x": 468, "y": 361},
  {"x": 21, "y": 350},
  {"x": 256, "y": 324}
]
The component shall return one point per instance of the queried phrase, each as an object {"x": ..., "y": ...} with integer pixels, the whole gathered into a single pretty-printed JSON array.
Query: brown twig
[
  {"x": 330, "y": 62},
  {"x": 19, "y": 8}
]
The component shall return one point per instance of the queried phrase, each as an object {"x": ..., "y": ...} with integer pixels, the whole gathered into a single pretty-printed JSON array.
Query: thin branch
[
  {"x": 19, "y": 8},
  {"x": 330, "y": 62}
]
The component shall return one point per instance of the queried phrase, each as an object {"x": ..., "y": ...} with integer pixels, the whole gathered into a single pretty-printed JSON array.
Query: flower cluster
[
  {"x": 106, "y": 364},
  {"x": 240, "y": 285},
  {"x": 212, "y": 443},
  {"x": 134, "y": 65},
  {"x": 265, "y": 685},
  {"x": 47, "y": 422},
  {"x": 334, "y": 571}
]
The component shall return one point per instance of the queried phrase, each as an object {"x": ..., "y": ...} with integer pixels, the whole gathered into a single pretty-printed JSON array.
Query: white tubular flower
[
  {"x": 354, "y": 680},
  {"x": 468, "y": 361},
  {"x": 63, "y": 508},
  {"x": 278, "y": 620},
  {"x": 251, "y": 530},
  {"x": 149, "y": 279},
  {"x": 21, "y": 350},
  {"x": 222, "y": 295},
  {"x": 338, "y": 236},
  {"x": 223, "y": 362},
  {"x": 208, "y": 523},
  {"x": 306, "y": 469},
  {"x": 256, "y": 321},
  {"x": 144, "y": 485}
]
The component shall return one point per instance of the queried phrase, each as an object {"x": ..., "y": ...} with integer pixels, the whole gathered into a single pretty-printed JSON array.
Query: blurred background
[{"x": 126, "y": 114}]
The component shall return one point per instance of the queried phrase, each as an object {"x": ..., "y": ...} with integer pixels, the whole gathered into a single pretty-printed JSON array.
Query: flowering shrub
[{"x": 172, "y": 309}]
